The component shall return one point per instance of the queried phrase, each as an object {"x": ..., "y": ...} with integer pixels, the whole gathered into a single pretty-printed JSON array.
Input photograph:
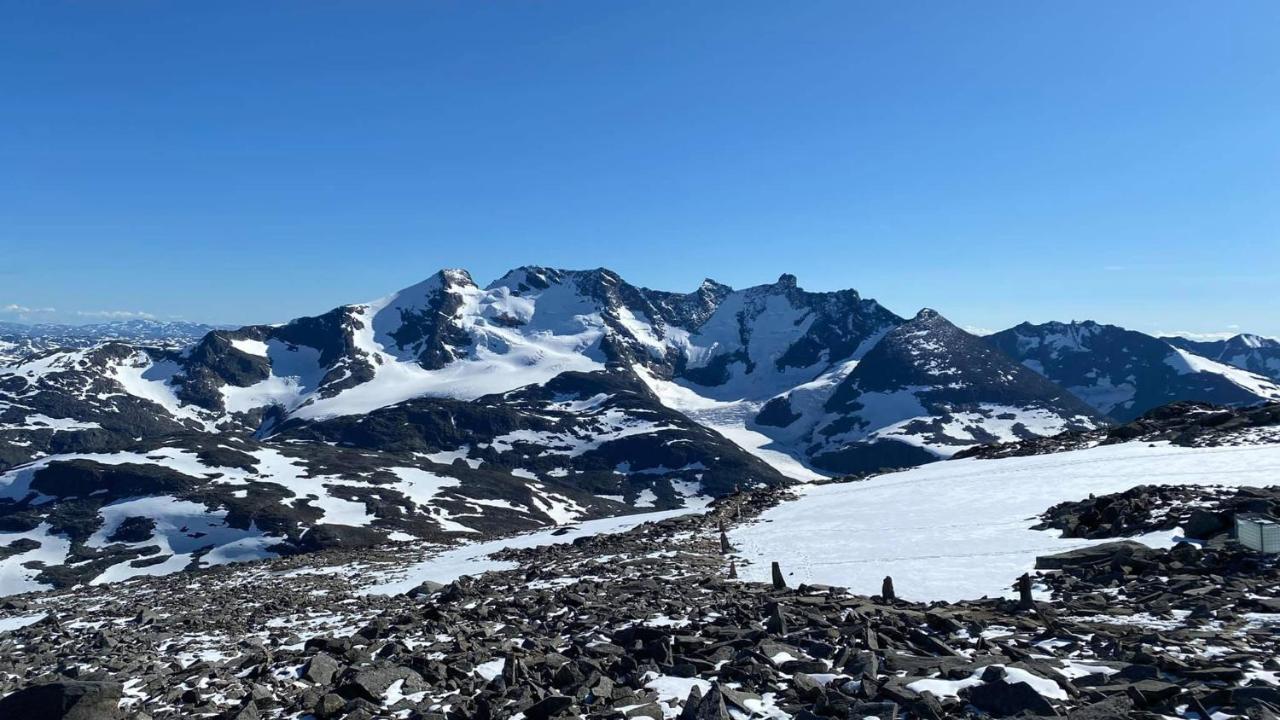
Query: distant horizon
[{"x": 1002, "y": 162}]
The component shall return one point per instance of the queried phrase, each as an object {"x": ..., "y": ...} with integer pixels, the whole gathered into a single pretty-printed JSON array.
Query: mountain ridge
[{"x": 448, "y": 409}]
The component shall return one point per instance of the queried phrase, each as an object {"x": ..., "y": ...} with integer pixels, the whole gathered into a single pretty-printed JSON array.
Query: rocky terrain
[
  {"x": 1202, "y": 512},
  {"x": 651, "y": 623},
  {"x": 577, "y": 447},
  {"x": 1187, "y": 424}
]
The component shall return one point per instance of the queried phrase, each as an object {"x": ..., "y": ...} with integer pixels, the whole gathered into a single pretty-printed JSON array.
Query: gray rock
[{"x": 64, "y": 700}]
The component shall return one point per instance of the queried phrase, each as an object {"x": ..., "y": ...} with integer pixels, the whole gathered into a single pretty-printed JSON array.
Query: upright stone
[
  {"x": 1024, "y": 592},
  {"x": 776, "y": 623},
  {"x": 779, "y": 583}
]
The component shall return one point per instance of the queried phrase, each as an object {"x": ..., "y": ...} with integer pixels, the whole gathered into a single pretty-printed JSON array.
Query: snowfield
[
  {"x": 961, "y": 529},
  {"x": 730, "y": 418}
]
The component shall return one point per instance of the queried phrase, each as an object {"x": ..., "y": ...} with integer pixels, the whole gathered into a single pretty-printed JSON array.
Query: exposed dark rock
[
  {"x": 1003, "y": 699},
  {"x": 327, "y": 537},
  {"x": 64, "y": 700}
]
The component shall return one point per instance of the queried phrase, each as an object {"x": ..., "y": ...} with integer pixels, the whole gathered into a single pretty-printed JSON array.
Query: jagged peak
[
  {"x": 1252, "y": 341},
  {"x": 711, "y": 290},
  {"x": 445, "y": 280},
  {"x": 540, "y": 277},
  {"x": 455, "y": 276},
  {"x": 442, "y": 279}
]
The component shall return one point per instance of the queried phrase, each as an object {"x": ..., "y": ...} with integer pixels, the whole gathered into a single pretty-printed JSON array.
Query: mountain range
[
  {"x": 449, "y": 410},
  {"x": 19, "y": 340}
]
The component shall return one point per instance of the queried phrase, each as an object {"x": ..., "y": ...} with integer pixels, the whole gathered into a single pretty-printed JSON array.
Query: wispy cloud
[
  {"x": 33, "y": 313},
  {"x": 116, "y": 314},
  {"x": 1202, "y": 336},
  {"x": 27, "y": 313},
  {"x": 14, "y": 309}
]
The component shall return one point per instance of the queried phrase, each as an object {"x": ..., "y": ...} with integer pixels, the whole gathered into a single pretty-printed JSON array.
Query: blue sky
[{"x": 250, "y": 162}]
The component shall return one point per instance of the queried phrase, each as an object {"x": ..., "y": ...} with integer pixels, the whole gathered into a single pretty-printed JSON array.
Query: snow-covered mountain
[
  {"x": 925, "y": 391},
  {"x": 1254, "y": 353},
  {"x": 447, "y": 337},
  {"x": 1122, "y": 373},
  {"x": 449, "y": 409}
]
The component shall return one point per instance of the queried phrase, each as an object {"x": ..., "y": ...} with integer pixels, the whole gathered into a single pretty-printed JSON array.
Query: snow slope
[
  {"x": 961, "y": 529},
  {"x": 1186, "y": 363},
  {"x": 730, "y": 418}
]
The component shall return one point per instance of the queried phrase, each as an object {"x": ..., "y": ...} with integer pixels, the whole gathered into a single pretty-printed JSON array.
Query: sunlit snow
[{"x": 962, "y": 528}]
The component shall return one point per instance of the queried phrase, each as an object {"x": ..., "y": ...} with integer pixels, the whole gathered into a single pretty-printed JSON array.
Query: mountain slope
[
  {"x": 1254, "y": 353},
  {"x": 196, "y": 500},
  {"x": 1123, "y": 373},
  {"x": 925, "y": 391}
]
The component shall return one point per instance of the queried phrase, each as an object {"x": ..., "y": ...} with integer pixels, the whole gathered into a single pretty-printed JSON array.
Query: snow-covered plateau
[{"x": 962, "y": 528}]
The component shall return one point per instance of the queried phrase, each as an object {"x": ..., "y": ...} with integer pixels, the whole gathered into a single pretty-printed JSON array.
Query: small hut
[{"x": 1258, "y": 532}]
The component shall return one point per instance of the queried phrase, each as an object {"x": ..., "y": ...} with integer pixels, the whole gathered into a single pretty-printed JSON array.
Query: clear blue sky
[{"x": 253, "y": 161}]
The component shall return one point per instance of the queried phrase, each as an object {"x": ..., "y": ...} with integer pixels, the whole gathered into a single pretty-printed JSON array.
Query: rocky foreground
[{"x": 650, "y": 623}]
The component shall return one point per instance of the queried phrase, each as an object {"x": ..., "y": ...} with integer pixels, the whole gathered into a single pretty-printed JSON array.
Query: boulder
[
  {"x": 320, "y": 669},
  {"x": 1203, "y": 524},
  {"x": 1094, "y": 555},
  {"x": 64, "y": 700},
  {"x": 1003, "y": 699},
  {"x": 548, "y": 707},
  {"x": 325, "y": 537}
]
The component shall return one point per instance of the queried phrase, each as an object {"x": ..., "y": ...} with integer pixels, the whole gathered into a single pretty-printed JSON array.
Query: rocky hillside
[
  {"x": 925, "y": 391},
  {"x": 582, "y": 445},
  {"x": 1122, "y": 373}
]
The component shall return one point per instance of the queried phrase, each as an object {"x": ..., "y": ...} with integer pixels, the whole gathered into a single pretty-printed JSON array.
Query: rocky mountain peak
[
  {"x": 928, "y": 389},
  {"x": 1252, "y": 342},
  {"x": 451, "y": 277},
  {"x": 1124, "y": 373}
]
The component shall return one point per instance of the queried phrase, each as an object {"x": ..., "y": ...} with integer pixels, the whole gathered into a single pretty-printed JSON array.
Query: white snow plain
[{"x": 961, "y": 529}]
